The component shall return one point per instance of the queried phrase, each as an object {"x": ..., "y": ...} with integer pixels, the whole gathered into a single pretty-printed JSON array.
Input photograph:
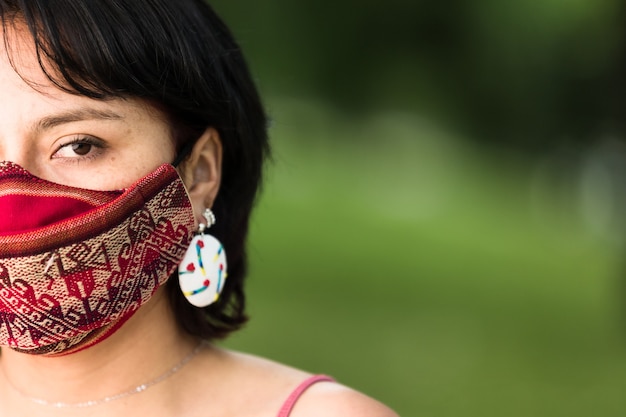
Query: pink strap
[{"x": 285, "y": 410}]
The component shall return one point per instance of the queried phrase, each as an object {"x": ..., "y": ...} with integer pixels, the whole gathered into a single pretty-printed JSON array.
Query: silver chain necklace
[{"x": 137, "y": 390}]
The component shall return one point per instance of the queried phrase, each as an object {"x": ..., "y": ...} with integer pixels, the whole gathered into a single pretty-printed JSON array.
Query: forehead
[
  {"x": 22, "y": 78},
  {"x": 21, "y": 71},
  {"x": 29, "y": 85},
  {"x": 19, "y": 53}
]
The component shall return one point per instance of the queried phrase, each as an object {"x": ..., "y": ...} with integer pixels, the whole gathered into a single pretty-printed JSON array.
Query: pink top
[{"x": 285, "y": 410}]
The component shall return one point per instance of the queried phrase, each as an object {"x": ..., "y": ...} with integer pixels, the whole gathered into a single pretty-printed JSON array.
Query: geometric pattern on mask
[{"x": 52, "y": 301}]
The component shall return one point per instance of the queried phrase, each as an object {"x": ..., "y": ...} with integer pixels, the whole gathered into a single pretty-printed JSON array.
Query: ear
[{"x": 202, "y": 172}]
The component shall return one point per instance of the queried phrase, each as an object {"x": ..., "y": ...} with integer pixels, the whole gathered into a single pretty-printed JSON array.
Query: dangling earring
[{"x": 202, "y": 272}]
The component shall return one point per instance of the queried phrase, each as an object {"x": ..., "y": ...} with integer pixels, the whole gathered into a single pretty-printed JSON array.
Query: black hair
[{"x": 181, "y": 57}]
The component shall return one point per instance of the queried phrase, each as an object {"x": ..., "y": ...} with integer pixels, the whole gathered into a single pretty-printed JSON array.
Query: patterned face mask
[{"x": 75, "y": 264}]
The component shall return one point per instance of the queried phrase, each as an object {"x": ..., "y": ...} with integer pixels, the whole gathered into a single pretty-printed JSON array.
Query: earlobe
[{"x": 202, "y": 170}]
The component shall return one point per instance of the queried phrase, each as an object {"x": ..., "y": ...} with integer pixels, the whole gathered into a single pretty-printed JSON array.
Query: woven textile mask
[{"x": 75, "y": 264}]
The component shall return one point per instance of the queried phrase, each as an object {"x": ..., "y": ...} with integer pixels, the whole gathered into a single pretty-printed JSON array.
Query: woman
[{"x": 127, "y": 128}]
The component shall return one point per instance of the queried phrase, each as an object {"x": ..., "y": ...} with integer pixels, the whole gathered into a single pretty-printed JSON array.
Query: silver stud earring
[
  {"x": 202, "y": 272},
  {"x": 210, "y": 217}
]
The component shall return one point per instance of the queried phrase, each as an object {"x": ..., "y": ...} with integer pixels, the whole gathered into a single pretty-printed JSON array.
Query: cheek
[{"x": 123, "y": 173}]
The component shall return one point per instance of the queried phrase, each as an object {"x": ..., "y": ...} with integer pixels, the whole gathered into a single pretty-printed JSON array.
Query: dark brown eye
[{"x": 81, "y": 149}]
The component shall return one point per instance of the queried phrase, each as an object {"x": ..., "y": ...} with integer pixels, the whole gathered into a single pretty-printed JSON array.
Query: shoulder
[
  {"x": 277, "y": 383},
  {"x": 331, "y": 399}
]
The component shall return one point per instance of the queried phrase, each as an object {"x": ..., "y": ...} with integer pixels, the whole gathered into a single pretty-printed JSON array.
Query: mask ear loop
[{"x": 184, "y": 153}]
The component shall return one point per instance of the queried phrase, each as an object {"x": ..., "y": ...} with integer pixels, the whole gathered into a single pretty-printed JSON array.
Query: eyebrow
[{"x": 77, "y": 115}]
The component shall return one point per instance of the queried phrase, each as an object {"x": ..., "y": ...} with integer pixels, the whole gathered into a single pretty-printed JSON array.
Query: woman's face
[{"x": 74, "y": 140}]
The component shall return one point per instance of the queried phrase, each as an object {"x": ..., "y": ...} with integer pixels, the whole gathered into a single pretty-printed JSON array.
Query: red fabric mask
[{"x": 75, "y": 264}]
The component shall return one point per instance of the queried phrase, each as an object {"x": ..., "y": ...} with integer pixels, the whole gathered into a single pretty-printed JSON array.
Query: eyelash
[{"x": 98, "y": 144}]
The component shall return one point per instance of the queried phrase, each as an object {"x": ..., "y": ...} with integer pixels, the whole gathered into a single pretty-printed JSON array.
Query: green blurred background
[{"x": 442, "y": 225}]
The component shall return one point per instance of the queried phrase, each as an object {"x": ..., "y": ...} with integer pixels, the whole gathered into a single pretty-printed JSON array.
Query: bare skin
[{"x": 108, "y": 145}]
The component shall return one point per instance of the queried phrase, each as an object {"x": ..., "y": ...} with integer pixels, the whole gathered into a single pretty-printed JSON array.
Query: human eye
[{"x": 80, "y": 147}]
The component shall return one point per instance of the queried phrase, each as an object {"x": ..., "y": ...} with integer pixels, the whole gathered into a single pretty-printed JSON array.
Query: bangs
[{"x": 98, "y": 49}]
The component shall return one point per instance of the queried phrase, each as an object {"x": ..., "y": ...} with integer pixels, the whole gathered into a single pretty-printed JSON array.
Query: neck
[{"x": 146, "y": 347}]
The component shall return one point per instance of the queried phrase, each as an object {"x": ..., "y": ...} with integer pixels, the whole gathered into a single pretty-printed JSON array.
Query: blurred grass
[{"x": 394, "y": 257}]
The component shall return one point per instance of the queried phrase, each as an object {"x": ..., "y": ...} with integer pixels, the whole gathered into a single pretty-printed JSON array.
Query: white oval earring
[{"x": 202, "y": 272}]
